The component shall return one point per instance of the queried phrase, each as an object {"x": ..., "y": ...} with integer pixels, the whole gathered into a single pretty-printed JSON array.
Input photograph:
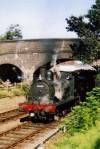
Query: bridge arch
[
  {"x": 46, "y": 66},
  {"x": 10, "y": 72}
]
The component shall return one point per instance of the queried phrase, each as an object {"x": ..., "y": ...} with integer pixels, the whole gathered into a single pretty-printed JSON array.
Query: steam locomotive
[{"x": 54, "y": 90}]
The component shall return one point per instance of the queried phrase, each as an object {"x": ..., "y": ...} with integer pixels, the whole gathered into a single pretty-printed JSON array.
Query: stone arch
[
  {"x": 46, "y": 66},
  {"x": 10, "y": 72}
]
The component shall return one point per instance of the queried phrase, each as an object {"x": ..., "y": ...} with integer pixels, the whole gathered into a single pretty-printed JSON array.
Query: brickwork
[{"x": 28, "y": 55}]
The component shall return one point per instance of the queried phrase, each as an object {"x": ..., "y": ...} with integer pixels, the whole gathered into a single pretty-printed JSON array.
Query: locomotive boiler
[{"x": 54, "y": 90}]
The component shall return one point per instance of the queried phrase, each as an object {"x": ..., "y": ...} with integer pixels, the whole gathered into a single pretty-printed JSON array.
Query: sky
[{"x": 41, "y": 18}]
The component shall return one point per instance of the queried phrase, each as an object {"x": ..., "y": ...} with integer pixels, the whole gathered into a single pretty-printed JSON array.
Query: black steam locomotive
[{"x": 54, "y": 90}]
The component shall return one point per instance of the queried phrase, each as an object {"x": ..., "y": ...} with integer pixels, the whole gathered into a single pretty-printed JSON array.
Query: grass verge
[
  {"x": 88, "y": 140},
  {"x": 19, "y": 89}
]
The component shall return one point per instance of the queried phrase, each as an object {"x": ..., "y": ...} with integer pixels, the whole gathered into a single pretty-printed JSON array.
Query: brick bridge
[{"x": 22, "y": 58}]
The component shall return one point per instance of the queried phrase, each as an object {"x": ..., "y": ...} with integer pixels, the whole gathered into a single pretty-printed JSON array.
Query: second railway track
[{"x": 10, "y": 115}]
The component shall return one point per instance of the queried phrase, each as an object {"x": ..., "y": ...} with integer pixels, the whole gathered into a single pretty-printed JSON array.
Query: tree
[
  {"x": 87, "y": 28},
  {"x": 12, "y": 33}
]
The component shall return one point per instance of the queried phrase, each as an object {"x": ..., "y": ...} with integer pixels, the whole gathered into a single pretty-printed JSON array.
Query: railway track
[
  {"x": 9, "y": 115},
  {"x": 26, "y": 131}
]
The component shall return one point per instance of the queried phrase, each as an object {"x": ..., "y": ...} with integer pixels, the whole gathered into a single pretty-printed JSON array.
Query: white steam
[{"x": 54, "y": 57}]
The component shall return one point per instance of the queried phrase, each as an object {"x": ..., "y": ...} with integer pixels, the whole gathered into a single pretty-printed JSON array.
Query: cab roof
[{"x": 74, "y": 65}]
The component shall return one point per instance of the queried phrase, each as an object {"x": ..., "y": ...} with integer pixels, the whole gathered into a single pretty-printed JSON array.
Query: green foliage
[
  {"x": 98, "y": 77},
  {"x": 17, "y": 92},
  {"x": 23, "y": 87},
  {"x": 13, "y": 33},
  {"x": 87, "y": 28},
  {"x": 87, "y": 140},
  {"x": 5, "y": 93},
  {"x": 95, "y": 94},
  {"x": 85, "y": 115},
  {"x": 20, "y": 89}
]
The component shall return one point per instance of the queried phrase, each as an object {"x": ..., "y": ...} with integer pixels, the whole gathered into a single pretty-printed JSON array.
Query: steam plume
[{"x": 54, "y": 57}]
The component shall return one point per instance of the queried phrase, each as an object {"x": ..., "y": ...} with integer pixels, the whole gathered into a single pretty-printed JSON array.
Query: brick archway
[{"x": 10, "y": 72}]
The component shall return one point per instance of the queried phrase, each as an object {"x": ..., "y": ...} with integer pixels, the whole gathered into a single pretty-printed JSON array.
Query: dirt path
[{"x": 8, "y": 125}]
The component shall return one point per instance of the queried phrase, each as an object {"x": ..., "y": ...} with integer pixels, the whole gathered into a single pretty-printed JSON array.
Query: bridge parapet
[{"x": 36, "y": 46}]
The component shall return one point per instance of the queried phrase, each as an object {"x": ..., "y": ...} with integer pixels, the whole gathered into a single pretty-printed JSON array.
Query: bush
[
  {"x": 23, "y": 87},
  {"x": 98, "y": 77},
  {"x": 19, "y": 89},
  {"x": 16, "y": 92},
  {"x": 94, "y": 94},
  {"x": 85, "y": 115},
  {"x": 5, "y": 93}
]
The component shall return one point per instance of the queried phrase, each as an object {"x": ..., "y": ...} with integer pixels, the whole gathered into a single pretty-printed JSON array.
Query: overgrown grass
[
  {"x": 19, "y": 89},
  {"x": 82, "y": 125},
  {"x": 87, "y": 140},
  {"x": 5, "y": 93}
]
